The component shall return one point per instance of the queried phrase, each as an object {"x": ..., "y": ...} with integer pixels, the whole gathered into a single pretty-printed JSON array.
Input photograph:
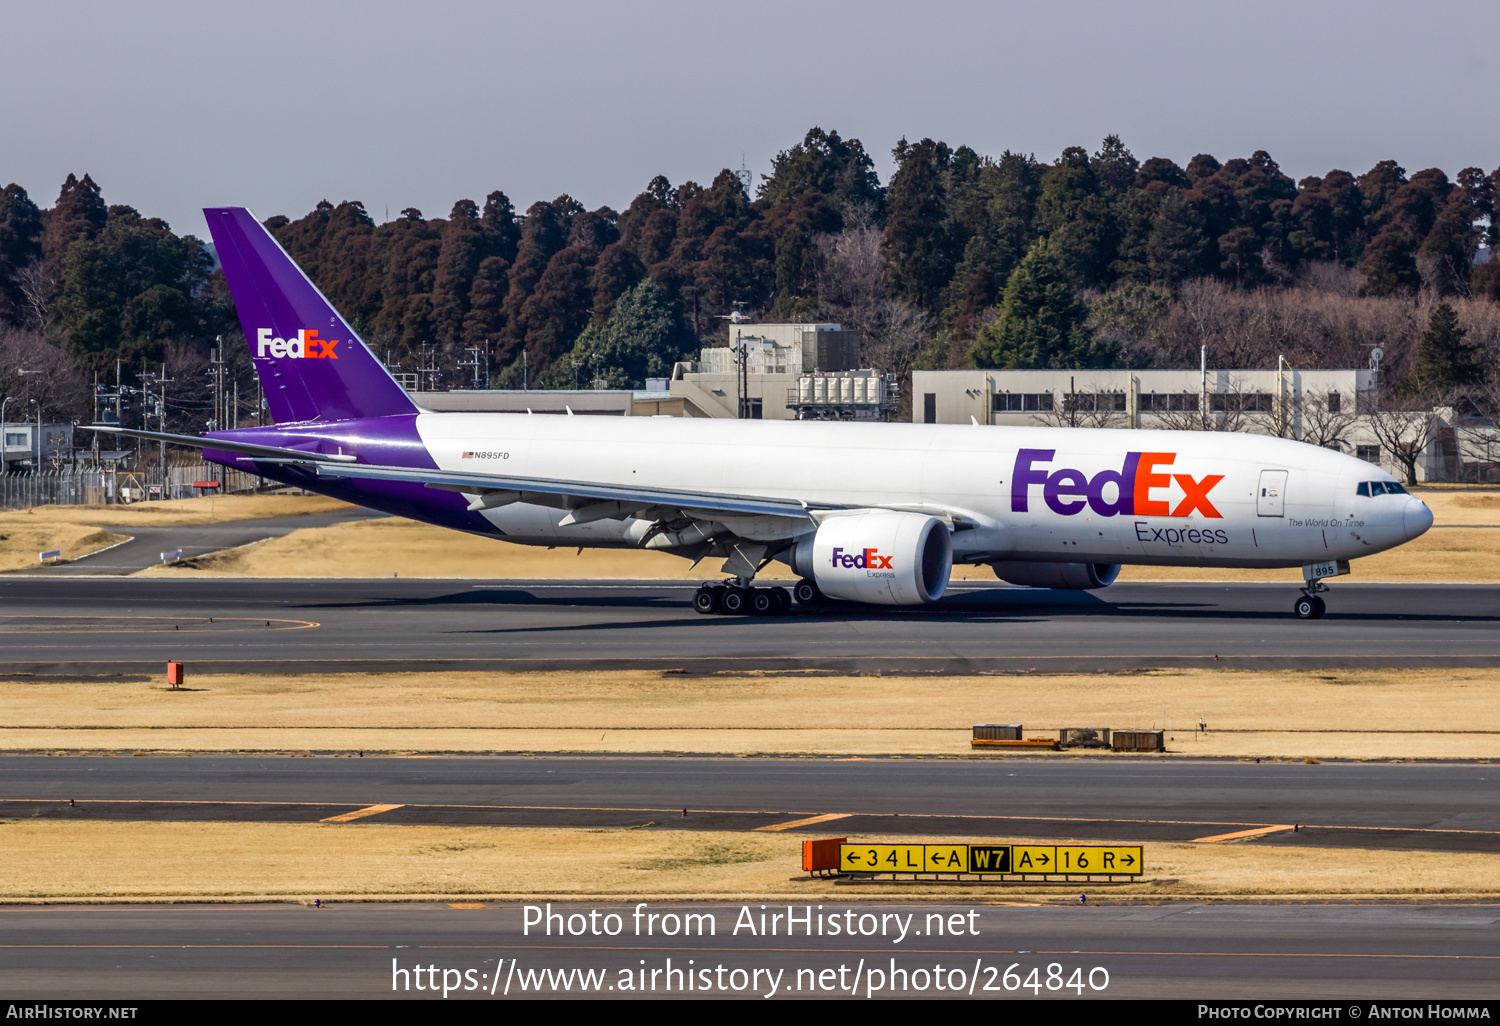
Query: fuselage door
[{"x": 1270, "y": 501}]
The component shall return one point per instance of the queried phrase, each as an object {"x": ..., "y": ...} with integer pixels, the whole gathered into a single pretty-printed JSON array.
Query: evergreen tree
[
  {"x": 559, "y": 307},
  {"x": 919, "y": 253},
  {"x": 1041, "y": 322},
  {"x": 20, "y": 247},
  {"x": 1444, "y": 359},
  {"x": 485, "y": 321},
  {"x": 822, "y": 162},
  {"x": 461, "y": 248},
  {"x": 617, "y": 271},
  {"x": 1114, "y": 167},
  {"x": 78, "y": 214},
  {"x": 643, "y": 338},
  {"x": 127, "y": 291},
  {"x": 1074, "y": 211}
]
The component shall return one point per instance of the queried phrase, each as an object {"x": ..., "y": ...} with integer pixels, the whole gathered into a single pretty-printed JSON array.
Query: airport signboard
[{"x": 994, "y": 859}]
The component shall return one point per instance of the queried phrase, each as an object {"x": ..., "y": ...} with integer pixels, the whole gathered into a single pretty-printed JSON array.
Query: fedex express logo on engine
[
  {"x": 1139, "y": 488},
  {"x": 865, "y": 559},
  {"x": 304, "y": 345}
]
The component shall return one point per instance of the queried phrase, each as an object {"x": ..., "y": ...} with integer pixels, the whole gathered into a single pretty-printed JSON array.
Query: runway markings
[
  {"x": 983, "y": 819},
  {"x": 809, "y": 821},
  {"x": 1239, "y": 834},
  {"x": 44, "y": 624},
  {"x": 373, "y": 810}
]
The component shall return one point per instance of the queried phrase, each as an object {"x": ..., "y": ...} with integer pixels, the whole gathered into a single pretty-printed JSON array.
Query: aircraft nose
[{"x": 1418, "y": 518}]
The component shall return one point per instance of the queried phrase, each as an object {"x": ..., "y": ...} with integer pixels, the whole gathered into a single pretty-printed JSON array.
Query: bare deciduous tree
[
  {"x": 1407, "y": 423},
  {"x": 36, "y": 287},
  {"x": 1326, "y": 418},
  {"x": 851, "y": 282},
  {"x": 32, "y": 368},
  {"x": 1084, "y": 410}
]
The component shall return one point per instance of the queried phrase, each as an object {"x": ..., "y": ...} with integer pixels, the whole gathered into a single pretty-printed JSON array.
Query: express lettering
[
  {"x": 1127, "y": 491},
  {"x": 1176, "y": 536},
  {"x": 866, "y": 559},
  {"x": 304, "y": 345}
]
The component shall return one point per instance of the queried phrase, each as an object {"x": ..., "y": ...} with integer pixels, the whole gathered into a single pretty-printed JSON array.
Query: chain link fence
[{"x": 85, "y": 487}]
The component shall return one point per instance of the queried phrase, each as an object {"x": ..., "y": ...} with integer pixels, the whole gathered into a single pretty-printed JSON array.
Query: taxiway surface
[
  {"x": 106, "y": 625},
  {"x": 1435, "y": 807},
  {"x": 146, "y": 544},
  {"x": 1347, "y": 953}
]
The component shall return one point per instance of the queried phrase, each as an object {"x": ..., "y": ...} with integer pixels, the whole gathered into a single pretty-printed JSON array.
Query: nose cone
[{"x": 1418, "y": 518}]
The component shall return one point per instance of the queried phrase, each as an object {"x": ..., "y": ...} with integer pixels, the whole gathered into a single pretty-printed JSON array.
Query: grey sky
[{"x": 276, "y": 105}]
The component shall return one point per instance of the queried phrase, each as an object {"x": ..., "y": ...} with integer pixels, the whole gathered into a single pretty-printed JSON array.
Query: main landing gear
[
  {"x": 1309, "y": 605},
  {"x": 735, "y": 599}
]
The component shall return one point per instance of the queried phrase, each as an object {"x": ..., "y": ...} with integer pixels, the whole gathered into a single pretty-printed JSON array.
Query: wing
[{"x": 587, "y": 500}]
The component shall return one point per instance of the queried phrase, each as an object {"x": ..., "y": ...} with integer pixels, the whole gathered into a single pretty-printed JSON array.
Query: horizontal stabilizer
[{"x": 270, "y": 452}]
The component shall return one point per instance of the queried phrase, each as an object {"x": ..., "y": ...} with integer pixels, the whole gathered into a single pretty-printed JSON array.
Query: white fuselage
[{"x": 1193, "y": 498}]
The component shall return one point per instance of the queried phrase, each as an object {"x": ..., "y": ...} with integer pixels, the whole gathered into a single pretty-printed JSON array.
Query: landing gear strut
[
  {"x": 1310, "y": 605},
  {"x": 736, "y": 599}
]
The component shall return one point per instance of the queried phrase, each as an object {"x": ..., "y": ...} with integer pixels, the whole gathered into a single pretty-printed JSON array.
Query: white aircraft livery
[{"x": 862, "y": 512}]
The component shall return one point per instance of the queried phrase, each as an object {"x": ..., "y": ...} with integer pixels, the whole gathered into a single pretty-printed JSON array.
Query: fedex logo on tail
[
  {"x": 1139, "y": 488},
  {"x": 304, "y": 345},
  {"x": 866, "y": 559}
]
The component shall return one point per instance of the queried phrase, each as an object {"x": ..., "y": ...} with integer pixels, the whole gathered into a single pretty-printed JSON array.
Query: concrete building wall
[{"x": 19, "y": 441}]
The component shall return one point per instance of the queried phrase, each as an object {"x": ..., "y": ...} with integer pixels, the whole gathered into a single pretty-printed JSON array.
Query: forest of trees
[{"x": 961, "y": 259}]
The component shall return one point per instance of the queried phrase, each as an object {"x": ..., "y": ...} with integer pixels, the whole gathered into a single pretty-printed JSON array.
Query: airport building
[
  {"x": 766, "y": 372},
  {"x": 1332, "y": 408},
  {"x": 785, "y": 372},
  {"x": 27, "y": 443}
]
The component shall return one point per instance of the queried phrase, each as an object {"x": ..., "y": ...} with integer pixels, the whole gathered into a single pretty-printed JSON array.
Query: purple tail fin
[{"x": 311, "y": 364}]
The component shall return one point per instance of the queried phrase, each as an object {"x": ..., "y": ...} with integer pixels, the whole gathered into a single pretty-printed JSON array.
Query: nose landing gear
[
  {"x": 1310, "y": 605},
  {"x": 735, "y": 599}
]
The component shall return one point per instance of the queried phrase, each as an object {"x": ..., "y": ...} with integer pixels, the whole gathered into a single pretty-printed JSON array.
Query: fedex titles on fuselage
[
  {"x": 304, "y": 345},
  {"x": 1124, "y": 492}
]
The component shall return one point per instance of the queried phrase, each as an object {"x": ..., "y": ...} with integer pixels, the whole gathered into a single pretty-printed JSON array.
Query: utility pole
[
  {"x": 1203, "y": 363},
  {"x": 3, "y": 403}
]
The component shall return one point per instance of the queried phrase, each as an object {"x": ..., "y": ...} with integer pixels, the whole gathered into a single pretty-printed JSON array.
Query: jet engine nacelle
[
  {"x": 880, "y": 556},
  {"x": 1063, "y": 576}
]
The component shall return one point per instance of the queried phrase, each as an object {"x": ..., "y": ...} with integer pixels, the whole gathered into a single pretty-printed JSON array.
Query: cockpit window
[
  {"x": 1377, "y": 487},
  {"x": 1363, "y": 489},
  {"x": 1380, "y": 488},
  {"x": 1392, "y": 488}
]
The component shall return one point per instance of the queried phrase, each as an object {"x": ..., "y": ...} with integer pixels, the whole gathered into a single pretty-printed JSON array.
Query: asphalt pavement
[
  {"x": 1432, "y": 807},
  {"x": 147, "y": 544},
  {"x": 109, "y": 625},
  {"x": 1343, "y": 955}
]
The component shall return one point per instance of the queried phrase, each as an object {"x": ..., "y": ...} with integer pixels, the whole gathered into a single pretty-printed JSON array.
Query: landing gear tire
[
  {"x": 706, "y": 600},
  {"x": 807, "y": 594},
  {"x": 762, "y": 602},
  {"x": 1309, "y": 607},
  {"x": 783, "y": 601},
  {"x": 734, "y": 602}
]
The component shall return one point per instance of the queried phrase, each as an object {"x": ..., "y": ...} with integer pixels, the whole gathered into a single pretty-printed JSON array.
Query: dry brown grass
[
  {"x": 1282, "y": 714},
  {"x": 51, "y": 860},
  {"x": 22, "y": 540},
  {"x": 209, "y": 509},
  {"x": 380, "y": 548},
  {"x": 76, "y": 529}
]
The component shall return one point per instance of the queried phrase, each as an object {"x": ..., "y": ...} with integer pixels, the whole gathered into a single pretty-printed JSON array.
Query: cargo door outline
[{"x": 1270, "y": 497}]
